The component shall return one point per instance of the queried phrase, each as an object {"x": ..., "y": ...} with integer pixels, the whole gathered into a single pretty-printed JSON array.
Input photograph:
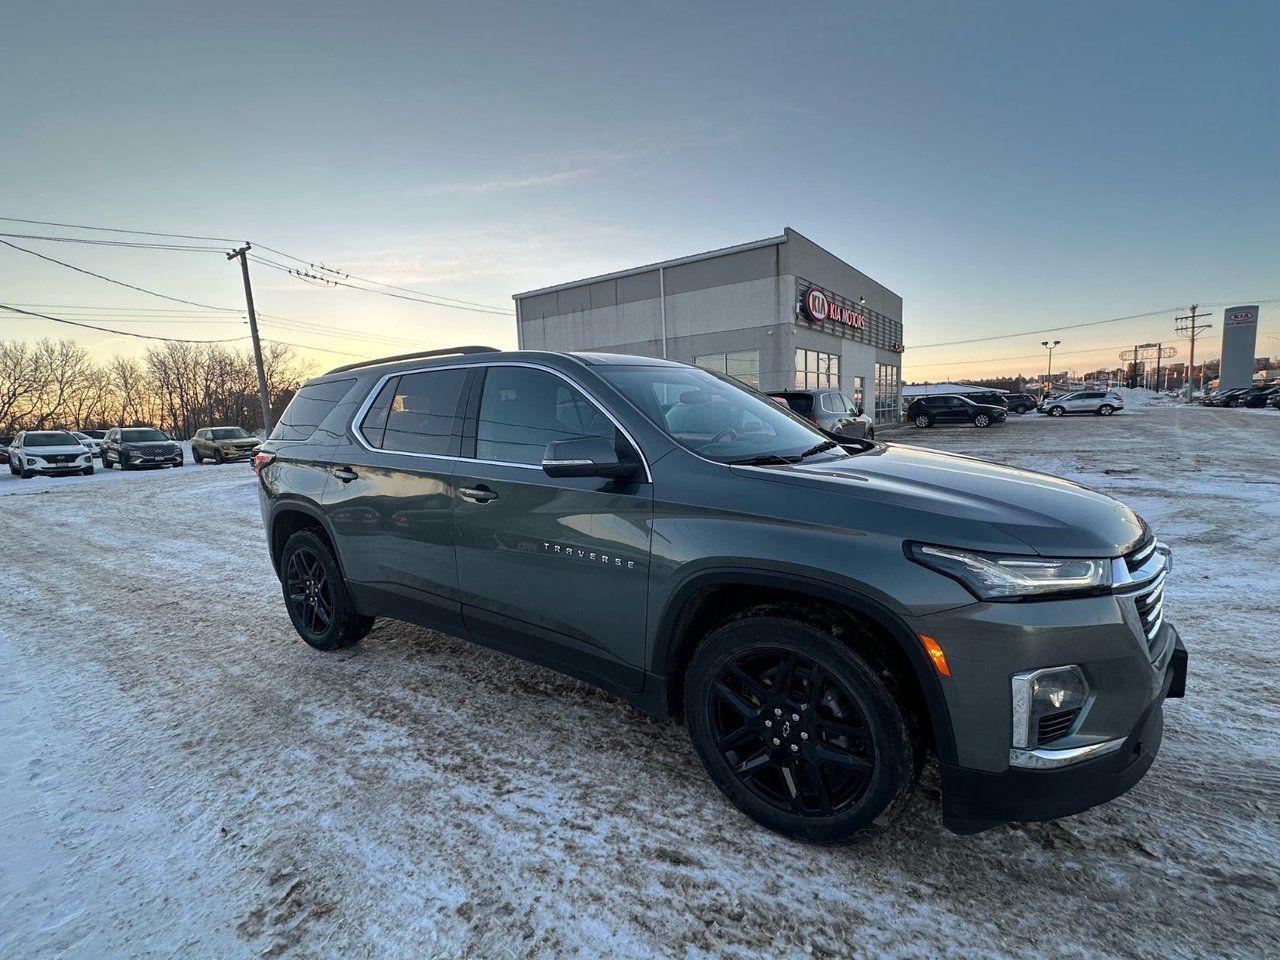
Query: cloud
[
  {"x": 577, "y": 166},
  {"x": 514, "y": 183}
]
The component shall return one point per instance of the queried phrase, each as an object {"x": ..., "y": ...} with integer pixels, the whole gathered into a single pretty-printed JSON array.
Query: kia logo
[
  {"x": 817, "y": 304},
  {"x": 1243, "y": 315}
]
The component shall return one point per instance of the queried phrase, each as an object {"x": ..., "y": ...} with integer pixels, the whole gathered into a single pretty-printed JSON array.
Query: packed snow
[{"x": 180, "y": 776}]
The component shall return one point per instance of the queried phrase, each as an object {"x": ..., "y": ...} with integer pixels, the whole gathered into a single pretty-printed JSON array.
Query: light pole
[{"x": 1048, "y": 375}]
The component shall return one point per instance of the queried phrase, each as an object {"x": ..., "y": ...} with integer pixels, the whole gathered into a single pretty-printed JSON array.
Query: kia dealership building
[{"x": 776, "y": 313}]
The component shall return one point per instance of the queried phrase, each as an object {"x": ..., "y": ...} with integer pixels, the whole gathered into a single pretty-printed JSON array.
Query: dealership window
[
  {"x": 857, "y": 392},
  {"x": 816, "y": 370},
  {"x": 887, "y": 387},
  {"x": 743, "y": 365}
]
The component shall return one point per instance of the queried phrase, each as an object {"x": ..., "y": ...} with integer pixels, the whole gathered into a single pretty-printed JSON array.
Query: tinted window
[
  {"x": 420, "y": 414},
  {"x": 832, "y": 403},
  {"x": 523, "y": 409},
  {"x": 308, "y": 408},
  {"x": 801, "y": 403},
  {"x": 375, "y": 420},
  {"x": 142, "y": 435}
]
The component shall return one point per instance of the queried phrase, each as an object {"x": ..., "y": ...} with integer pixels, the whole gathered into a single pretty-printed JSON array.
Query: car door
[
  {"x": 390, "y": 497},
  {"x": 554, "y": 568},
  {"x": 950, "y": 410}
]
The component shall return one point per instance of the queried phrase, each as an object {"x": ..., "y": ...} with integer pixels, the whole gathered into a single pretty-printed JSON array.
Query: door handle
[
  {"x": 481, "y": 494},
  {"x": 345, "y": 474}
]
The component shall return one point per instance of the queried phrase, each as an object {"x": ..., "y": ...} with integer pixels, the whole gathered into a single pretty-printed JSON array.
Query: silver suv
[{"x": 1101, "y": 402}]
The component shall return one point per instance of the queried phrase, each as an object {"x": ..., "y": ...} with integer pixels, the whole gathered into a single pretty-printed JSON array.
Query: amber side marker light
[{"x": 936, "y": 655}]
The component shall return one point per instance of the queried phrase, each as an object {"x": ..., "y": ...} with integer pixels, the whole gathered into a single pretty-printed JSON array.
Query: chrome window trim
[{"x": 359, "y": 416}]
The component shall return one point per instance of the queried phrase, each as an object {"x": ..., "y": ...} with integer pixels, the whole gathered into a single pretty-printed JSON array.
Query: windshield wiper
[
  {"x": 763, "y": 460},
  {"x": 822, "y": 447}
]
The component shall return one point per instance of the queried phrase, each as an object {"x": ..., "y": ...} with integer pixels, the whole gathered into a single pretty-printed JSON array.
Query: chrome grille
[{"x": 1139, "y": 578}]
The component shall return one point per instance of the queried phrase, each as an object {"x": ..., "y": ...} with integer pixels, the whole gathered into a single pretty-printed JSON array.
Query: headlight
[{"x": 990, "y": 576}]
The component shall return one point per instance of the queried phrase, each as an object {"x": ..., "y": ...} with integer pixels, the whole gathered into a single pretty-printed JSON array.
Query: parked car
[
  {"x": 49, "y": 452},
  {"x": 830, "y": 411},
  {"x": 132, "y": 447},
  {"x": 927, "y": 411},
  {"x": 819, "y": 618},
  {"x": 1021, "y": 403},
  {"x": 95, "y": 434},
  {"x": 1223, "y": 397},
  {"x": 1274, "y": 400},
  {"x": 1101, "y": 402},
  {"x": 1253, "y": 397},
  {"x": 221, "y": 444},
  {"x": 94, "y": 445},
  {"x": 5, "y": 440}
]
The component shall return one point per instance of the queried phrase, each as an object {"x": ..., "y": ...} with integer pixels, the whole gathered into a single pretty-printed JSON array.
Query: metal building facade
[{"x": 777, "y": 313}]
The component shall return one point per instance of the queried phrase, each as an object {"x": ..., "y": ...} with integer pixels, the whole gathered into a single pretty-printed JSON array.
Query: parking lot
[{"x": 181, "y": 776}]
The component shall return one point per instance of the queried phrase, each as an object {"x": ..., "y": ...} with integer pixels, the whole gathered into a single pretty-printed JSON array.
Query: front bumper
[{"x": 975, "y": 800}]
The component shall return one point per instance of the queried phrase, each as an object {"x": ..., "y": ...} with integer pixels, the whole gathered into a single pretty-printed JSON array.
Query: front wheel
[
  {"x": 982, "y": 420},
  {"x": 88, "y": 471},
  {"x": 924, "y": 420},
  {"x": 801, "y": 733},
  {"x": 1056, "y": 411},
  {"x": 317, "y": 598},
  {"x": 871, "y": 433}
]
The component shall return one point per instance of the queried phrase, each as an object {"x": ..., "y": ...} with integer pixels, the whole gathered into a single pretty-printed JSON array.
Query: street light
[{"x": 1049, "y": 372}]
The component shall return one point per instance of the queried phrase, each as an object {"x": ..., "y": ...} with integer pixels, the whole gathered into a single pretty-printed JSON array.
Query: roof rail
[{"x": 446, "y": 352}]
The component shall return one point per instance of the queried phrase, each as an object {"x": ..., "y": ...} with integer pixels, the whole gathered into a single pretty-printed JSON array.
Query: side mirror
[
  {"x": 857, "y": 409},
  {"x": 585, "y": 457}
]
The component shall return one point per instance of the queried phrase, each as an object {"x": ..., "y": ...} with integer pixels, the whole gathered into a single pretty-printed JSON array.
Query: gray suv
[{"x": 822, "y": 615}]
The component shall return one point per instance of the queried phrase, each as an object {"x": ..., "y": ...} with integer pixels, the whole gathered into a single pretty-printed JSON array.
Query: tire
[
  {"x": 218, "y": 458},
  {"x": 861, "y": 784},
  {"x": 88, "y": 471},
  {"x": 27, "y": 474},
  {"x": 124, "y": 462},
  {"x": 982, "y": 421},
  {"x": 1056, "y": 411},
  {"x": 923, "y": 420},
  {"x": 13, "y": 468},
  {"x": 1106, "y": 410},
  {"x": 106, "y": 464},
  {"x": 871, "y": 433},
  {"x": 195, "y": 457},
  {"x": 313, "y": 587}
]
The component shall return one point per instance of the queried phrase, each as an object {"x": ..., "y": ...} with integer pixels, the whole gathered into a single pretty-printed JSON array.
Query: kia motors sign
[
  {"x": 819, "y": 306},
  {"x": 1239, "y": 337}
]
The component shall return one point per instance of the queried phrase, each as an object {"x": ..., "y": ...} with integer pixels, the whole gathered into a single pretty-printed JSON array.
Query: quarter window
[
  {"x": 522, "y": 409},
  {"x": 308, "y": 408}
]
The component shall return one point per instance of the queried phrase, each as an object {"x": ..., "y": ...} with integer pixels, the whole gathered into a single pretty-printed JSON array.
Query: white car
[
  {"x": 95, "y": 446},
  {"x": 1101, "y": 402},
  {"x": 53, "y": 452}
]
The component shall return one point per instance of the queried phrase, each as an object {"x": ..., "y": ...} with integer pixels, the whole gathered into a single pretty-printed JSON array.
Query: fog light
[{"x": 1040, "y": 693}]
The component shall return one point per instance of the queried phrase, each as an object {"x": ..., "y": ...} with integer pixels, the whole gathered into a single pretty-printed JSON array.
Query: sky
[{"x": 1004, "y": 167}]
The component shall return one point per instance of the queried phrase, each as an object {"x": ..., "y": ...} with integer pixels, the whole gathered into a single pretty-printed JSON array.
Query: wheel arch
[
  {"x": 287, "y": 517},
  {"x": 712, "y": 597}
]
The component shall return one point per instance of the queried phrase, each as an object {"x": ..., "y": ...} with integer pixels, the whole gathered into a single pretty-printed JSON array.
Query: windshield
[
  {"x": 715, "y": 417},
  {"x": 52, "y": 438},
  {"x": 142, "y": 436},
  {"x": 228, "y": 433}
]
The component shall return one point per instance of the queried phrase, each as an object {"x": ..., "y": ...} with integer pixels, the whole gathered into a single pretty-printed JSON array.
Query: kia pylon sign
[{"x": 1239, "y": 338}]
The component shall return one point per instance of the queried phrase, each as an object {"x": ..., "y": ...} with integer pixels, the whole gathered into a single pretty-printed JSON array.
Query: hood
[
  {"x": 949, "y": 493},
  {"x": 58, "y": 450},
  {"x": 148, "y": 444}
]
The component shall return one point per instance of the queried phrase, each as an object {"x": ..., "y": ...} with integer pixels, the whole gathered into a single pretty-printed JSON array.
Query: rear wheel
[
  {"x": 1106, "y": 410},
  {"x": 923, "y": 420},
  {"x": 802, "y": 734},
  {"x": 319, "y": 604}
]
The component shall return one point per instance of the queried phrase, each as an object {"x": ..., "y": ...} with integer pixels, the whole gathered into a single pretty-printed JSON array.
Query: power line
[
  {"x": 120, "y": 283},
  {"x": 122, "y": 333},
  {"x": 1069, "y": 326},
  {"x": 133, "y": 244},
  {"x": 145, "y": 233},
  {"x": 390, "y": 286}
]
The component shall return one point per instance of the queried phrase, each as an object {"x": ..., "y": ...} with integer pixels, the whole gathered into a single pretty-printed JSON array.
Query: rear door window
[
  {"x": 308, "y": 408},
  {"x": 420, "y": 412}
]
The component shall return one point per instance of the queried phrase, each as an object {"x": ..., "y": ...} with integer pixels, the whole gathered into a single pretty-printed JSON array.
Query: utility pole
[
  {"x": 240, "y": 253},
  {"x": 1048, "y": 376},
  {"x": 1189, "y": 327}
]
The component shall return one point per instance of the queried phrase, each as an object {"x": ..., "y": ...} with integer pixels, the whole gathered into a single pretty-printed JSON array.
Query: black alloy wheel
[
  {"x": 319, "y": 605},
  {"x": 310, "y": 592},
  {"x": 790, "y": 733},
  {"x": 800, "y": 732}
]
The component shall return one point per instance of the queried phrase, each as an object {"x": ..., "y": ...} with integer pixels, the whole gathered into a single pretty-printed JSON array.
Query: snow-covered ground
[{"x": 181, "y": 777}]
